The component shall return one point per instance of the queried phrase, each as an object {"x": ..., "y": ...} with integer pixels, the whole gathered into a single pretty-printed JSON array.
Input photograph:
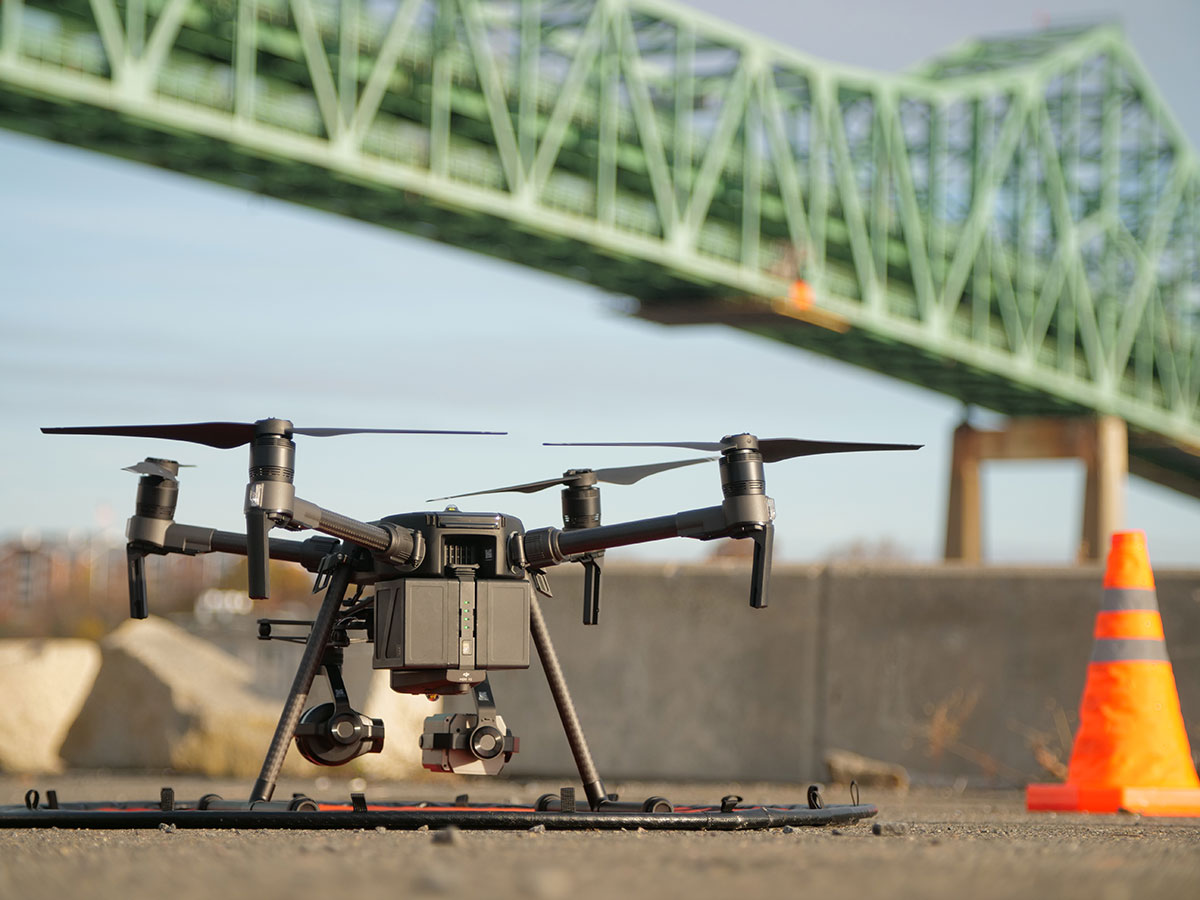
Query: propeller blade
[
  {"x": 773, "y": 449},
  {"x": 618, "y": 475},
  {"x": 527, "y": 488},
  {"x": 226, "y": 435},
  {"x": 334, "y": 432},
  {"x": 778, "y": 449},
  {"x": 707, "y": 446},
  {"x": 146, "y": 467},
  {"x": 634, "y": 474},
  {"x": 222, "y": 435}
]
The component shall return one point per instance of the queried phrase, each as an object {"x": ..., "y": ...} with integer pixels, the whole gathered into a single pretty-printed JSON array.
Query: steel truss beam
[{"x": 1016, "y": 223}]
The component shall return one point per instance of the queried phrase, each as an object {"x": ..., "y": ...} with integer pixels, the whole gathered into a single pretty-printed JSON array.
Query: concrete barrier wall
[
  {"x": 949, "y": 671},
  {"x": 680, "y": 678}
]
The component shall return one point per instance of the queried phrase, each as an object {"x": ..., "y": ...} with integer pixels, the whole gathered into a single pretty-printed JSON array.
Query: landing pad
[{"x": 308, "y": 814}]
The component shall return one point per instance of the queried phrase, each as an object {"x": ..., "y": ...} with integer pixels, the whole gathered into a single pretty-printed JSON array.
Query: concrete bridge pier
[{"x": 1101, "y": 442}]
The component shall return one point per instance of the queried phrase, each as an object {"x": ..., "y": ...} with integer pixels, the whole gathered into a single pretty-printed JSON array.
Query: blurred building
[
  {"x": 70, "y": 586},
  {"x": 30, "y": 573}
]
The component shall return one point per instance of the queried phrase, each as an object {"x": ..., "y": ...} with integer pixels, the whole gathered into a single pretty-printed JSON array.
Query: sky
[{"x": 131, "y": 295}]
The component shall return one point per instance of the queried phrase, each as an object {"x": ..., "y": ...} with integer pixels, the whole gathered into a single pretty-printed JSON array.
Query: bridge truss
[{"x": 1015, "y": 224}]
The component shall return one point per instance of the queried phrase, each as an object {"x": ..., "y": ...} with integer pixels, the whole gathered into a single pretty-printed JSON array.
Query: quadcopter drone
[{"x": 454, "y": 593}]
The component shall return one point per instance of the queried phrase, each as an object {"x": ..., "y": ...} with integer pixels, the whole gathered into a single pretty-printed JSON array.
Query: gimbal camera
[{"x": 455, "y": 593}]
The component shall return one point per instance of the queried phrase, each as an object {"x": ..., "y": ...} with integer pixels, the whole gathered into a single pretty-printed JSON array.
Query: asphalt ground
[{"x": 928, "y": 842}]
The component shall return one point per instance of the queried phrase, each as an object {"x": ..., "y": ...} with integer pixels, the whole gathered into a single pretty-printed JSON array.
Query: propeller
[
  {"x": 150, "y": 467},
  {"x": 617, "y": 475},
  {"x": 772, "y": 449},
  {"x": 270, "y": 496},
  {"x": 226, "y": 435}
]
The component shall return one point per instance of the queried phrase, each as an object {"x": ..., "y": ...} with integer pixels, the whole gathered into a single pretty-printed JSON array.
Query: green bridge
[{"x": 1015, "y": 224}]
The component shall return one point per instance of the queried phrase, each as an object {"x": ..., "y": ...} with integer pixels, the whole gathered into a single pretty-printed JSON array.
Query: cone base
[{"x": 1177, "y": 802}]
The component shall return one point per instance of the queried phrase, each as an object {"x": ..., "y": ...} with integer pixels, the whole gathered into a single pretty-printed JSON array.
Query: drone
[{"x": 454, "y": 594}]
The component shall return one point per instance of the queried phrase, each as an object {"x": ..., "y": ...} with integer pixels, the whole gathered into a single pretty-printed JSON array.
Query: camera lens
[{"x": 487, "y": 742}]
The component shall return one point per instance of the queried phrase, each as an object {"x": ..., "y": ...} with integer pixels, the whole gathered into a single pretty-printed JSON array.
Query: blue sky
[{"x": 133, "y": 295}]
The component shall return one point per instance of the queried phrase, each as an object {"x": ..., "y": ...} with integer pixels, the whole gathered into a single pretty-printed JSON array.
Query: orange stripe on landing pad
[
  {"x": 384, "y": 807},
  {"x": 389, "y": 808},
  {"x": 1128, "y": 624}
]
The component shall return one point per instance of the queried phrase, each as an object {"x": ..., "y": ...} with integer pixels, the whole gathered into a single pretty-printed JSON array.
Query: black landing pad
[{"x": 304, "y": 813}]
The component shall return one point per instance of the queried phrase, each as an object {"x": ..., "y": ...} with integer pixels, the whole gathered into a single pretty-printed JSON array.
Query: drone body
[
  {"x": 455, "y": 594},
  {"x": 461, "y": 612}
]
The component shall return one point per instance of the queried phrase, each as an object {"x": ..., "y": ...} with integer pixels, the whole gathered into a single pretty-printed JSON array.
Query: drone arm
[
  {"x": 551, "y": 546},
  {"x": 275, "y": 503},
  {"x": 704, "y": 524},
  {"x": 390, "y": 542},
  {"x": 309, "y": 515},
  {"x": 192, "y": 540},
  {"x": 307, "y": 553},
  {"x": 737, "y": 518},
  {"x": 395, "y": 544}
]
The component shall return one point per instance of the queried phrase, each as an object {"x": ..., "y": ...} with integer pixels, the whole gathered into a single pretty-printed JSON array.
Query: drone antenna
[{"x": 135, "y": 562}]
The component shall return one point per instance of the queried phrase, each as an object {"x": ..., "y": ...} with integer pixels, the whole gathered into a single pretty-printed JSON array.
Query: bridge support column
[
  {"x": 964, "y": 537},
  {"x": 1102, "y": 444}
]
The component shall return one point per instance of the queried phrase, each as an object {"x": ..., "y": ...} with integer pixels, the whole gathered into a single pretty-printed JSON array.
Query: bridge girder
[{"x": 1016, "y": 223}]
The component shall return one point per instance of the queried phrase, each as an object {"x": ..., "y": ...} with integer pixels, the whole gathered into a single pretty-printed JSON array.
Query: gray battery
[{"x": 437, "y": 623}]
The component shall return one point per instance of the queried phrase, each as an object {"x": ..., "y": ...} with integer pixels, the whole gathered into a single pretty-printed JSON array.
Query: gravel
[{"x": 939, "y": 844}]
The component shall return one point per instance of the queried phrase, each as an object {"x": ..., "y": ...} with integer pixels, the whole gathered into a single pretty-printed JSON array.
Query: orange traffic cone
[{"x": 1131, "y": 751}]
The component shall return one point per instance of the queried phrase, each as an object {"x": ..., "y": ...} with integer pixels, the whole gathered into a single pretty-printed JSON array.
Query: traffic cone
[{"x": 1131, "y": 751}]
